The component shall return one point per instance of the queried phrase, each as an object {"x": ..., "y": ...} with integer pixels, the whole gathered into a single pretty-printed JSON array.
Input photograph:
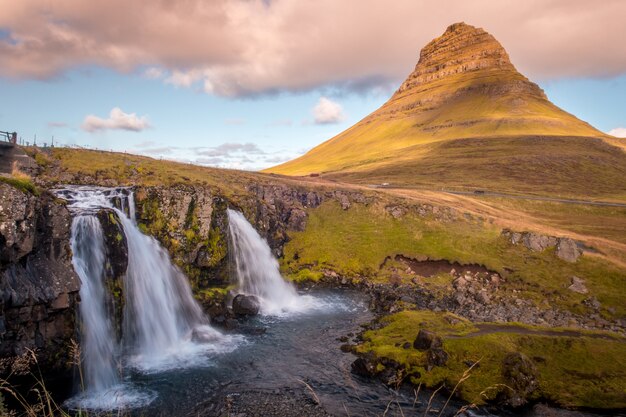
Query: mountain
[{"x": 466, "y": 117}]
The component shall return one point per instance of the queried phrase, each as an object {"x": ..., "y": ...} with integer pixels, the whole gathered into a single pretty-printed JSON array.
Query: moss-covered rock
[{"x": 511, "y": 364}]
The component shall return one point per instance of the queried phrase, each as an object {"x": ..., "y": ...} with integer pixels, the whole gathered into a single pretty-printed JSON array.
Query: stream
[{"x": 296, "y": 348}]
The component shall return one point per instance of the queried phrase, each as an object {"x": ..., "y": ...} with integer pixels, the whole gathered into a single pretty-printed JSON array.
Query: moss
[
  {"x": 23, "y": 184},
  {"x": 573, "y": 371},
  {"x": 217, "y": 246},
  {"x": 306, "y": 275}
]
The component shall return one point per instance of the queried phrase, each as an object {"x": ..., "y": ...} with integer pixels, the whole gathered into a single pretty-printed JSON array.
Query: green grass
[
  {"x": 585, "y": 371},
  {"x": 355, "y": 242},
  {"x": 23, "y": 184},
  {"x": 597, "y": 221}
]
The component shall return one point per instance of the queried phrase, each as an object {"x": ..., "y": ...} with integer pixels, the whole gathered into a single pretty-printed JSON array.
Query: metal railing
[{"x": 10, "y": 137}]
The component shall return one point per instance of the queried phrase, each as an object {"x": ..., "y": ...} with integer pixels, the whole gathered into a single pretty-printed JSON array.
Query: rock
[
  {"x": 246, "y": 305},
  {"x": 396, "y": 211},
  {"x": 592, "y": 303},
  {"x": 483, "y": 297},
  {"x": 578, "y": 285},
  {"x": 427, "y": 340},
  {"x": 38, "y": 285},
  {"x": 365, "y": 365},
  {"x": 520, "y": 375},
  {"x": 61, "y": 302},
  {"x": 347, "y": 348},
  {"x": 459, "y": 283},
  {"x": 568, "y": 250},
  {"x": 436, "y": 356},
  {"x": 538, "y": 243},
  {"x": 297, "y": 220}
]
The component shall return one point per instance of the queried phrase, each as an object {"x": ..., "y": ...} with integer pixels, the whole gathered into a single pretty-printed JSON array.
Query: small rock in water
[{"x": 246, "y": 305}]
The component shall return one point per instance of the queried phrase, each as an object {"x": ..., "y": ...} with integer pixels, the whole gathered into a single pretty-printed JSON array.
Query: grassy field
[
  {"x": 128, "y": 169},
  {"x": 355, "y": 242},
  {"x": 583, "y": 370},
  {"x": 568, "y": 167}
]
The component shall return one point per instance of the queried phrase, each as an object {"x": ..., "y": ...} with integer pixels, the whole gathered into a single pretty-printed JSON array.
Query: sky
[{"x": 251, "y": 83}]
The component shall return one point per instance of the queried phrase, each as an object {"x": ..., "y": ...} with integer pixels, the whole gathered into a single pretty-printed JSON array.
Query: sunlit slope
[
  {"x": 464, "y": 86},
  {"x": 473, "y": 114}
]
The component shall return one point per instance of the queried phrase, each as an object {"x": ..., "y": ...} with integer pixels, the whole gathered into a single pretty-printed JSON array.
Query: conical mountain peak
[
  {"x": 462, "y": 48},
  {"x": 464, "y": 93}
]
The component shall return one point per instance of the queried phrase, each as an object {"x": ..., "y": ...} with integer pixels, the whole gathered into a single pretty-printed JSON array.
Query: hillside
[{"x": 466, "y": 117}]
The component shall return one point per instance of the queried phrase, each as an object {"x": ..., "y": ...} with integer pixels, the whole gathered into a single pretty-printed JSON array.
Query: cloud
[
  {"x": 618, "y": 132},
  {"x": 57, "y": 124},
  {"x": 327, "y": 111},
  {"x": 229, "y": 149},
  {"x": 154, "y": 73},
  {"x": 118, "y": 120},
  {"x": 238, "y": 48},
  {"x": 164, "y": 150}
]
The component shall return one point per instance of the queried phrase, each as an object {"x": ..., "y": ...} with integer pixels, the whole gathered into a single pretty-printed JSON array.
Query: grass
[
  {"x": 570, "y": 167},
  {"x": 597, "y": 221},
  {"x": 584, "y": 371},
  {"x": 355, "y": 242},
  {"x": 22, "y": 184},
  {"x": 128, "y": 169}
]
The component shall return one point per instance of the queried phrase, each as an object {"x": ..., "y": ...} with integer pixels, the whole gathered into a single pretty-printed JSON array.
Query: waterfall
[
  {"x": 163, "y": 325},
  {"x": 160, "y": 310},
  {"x": 256, "y": 269},
  {"x": 98, "y": 344}
]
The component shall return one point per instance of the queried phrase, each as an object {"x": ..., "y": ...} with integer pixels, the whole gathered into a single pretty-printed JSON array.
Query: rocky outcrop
[
  {"x": 38, "y": 285},
  {"x": 191, "y": 223},
  {"x": 520, "y": 375},
  {"x": 277, "y": 209},
  {"x": 565, "y": 248}
]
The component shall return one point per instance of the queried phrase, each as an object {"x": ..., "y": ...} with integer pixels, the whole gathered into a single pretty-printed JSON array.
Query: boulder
[
  {"x": 568, "y": 250},
  {"x": 427, "y": 340},
  {"x": 246, "y": 305},
  {"x": 578, "y": 285},
  {"x": 538, "y": 243}
]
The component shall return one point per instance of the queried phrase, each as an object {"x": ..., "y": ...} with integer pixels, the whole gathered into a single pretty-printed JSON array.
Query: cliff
[{"x": 38, "y": 285}]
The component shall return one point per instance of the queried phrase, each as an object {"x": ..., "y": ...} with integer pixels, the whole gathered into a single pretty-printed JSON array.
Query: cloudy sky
[{"x": 251, "y": 83}]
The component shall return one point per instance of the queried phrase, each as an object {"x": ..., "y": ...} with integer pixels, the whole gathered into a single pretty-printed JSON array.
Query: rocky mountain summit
[{"x": 461, "y": 53}]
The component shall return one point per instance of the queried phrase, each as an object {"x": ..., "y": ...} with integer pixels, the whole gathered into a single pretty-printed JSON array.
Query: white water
[
  {"x": 257, "y": 273},
  {"x": 98, "y": 344},
  {"x": 164, "y": 327}
]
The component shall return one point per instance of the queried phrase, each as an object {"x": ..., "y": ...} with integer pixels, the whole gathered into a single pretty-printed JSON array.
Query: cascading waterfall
[
  {"x": 257, "y": 272},
  {"x": 98, "y": 344},
  {"x": 163, "y": 326},
  {"x": 160, "y": 311}
]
